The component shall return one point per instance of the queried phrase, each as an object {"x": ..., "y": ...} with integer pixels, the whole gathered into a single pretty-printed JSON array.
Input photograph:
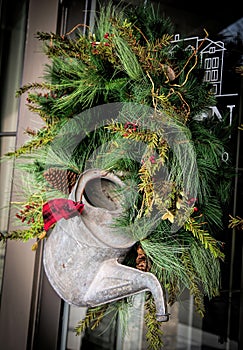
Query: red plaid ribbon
[{"x": 59, "y": 208}]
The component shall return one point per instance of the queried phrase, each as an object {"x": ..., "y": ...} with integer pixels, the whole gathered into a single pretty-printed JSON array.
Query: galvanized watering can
[{"x": 83, "y": 255}]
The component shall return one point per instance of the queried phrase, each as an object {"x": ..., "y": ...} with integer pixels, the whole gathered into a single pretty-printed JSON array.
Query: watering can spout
[{"x": 114, "y": 281}]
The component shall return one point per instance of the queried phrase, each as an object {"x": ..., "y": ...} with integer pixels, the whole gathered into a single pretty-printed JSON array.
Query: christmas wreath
[{"x": 156, "y": 141}]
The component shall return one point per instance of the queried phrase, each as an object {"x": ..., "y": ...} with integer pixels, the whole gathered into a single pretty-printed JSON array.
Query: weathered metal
[{"x": 83, "y": 255}]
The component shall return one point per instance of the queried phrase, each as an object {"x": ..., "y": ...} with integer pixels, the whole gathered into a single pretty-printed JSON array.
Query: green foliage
[
  {"x": 128, "y": 58},
  {"x": 204, "y": 237},
  {"x": 118, "y": 61},
  {"x": 154, "y": 333},
  {"x": 40, "y": 139},
  {"x": 236, "y": 222},
  {"x": 111, "y": 312},
  {"x": 194, "y": 285},
  {"x": 92, "y": 319}
]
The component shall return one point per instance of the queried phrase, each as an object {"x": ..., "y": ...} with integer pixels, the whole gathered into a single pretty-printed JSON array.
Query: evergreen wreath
[{"x": 127, "y": 58}]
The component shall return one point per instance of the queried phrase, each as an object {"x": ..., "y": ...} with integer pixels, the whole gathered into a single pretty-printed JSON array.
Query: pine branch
[
  {"x": 32, "y": 86},
  {"x": 38, "y": 110},
  {"x": 62, "y": 46},
  {"x": 147, "y": 188},
  {"x": 21, "y": 234},
  {"x": 42, "y": 138},
  {"x": 207, "y": 269},
  {"x": 164, "y": 251},
  {"x": 173, "y": 288},
  {"x": 204, "y": 237},
  {"x": 92, "y": 318},
  {"x": 95, "y": 315},
  {"x": 128, "y": 59},
  {"x": 236, "y": 222},
  {"x": 194, "y": 288},
  {"x": 153, "y": 327},
  {"x": 133, "y": 131},
  {"x": 153, "y": 59}
]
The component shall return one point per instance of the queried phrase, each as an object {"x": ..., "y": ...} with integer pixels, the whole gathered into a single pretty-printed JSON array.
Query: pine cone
[
  {"x": 142, "y": 261},
  {"x": 61, "y": 180}
]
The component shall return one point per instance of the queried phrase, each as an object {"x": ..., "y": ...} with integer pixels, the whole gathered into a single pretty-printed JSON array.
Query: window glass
[
  {"x": 220, "y": 329},
  {"x": 12, "y": 37}
]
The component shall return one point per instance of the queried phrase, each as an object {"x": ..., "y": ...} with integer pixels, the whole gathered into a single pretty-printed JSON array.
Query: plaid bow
[{"x": 59, "y": 208}]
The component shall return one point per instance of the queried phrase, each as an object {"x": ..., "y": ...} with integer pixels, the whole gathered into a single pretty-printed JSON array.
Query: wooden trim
[{"x": 20, "y": 261}]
